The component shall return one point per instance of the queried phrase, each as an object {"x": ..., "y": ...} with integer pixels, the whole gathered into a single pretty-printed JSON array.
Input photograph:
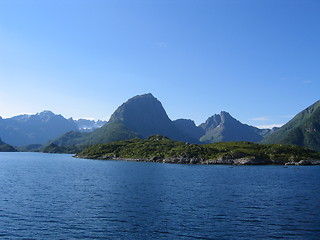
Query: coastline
[{"x": 219, "y": 161}]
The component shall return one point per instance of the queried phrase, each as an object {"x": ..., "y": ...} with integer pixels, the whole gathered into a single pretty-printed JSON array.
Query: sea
[{"x": 56, "y": 196}]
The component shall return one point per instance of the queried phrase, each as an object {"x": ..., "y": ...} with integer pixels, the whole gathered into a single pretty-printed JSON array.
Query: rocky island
[{"x": 164, "y": 150}]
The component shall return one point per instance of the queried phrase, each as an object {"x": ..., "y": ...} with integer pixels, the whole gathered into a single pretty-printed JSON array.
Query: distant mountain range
[
  {"x": 143, "y": 116},
  {"x": 39, "y": 128},
  {"x": 86, "y": 125}
]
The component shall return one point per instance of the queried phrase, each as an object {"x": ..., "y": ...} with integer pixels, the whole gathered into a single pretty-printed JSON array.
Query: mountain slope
[
  {"x": 110, "y": 132},
  {"x": 139, "y": 117},
  {"x": 189, "y": 128},
  {"x": 302, "y": 130},
  {"x": 6, "y": 148},
  {"x": 223, "y": 128},
  {"x": 30, "y": 129},
  {"x": 145, "y": 115},
  {"x": 23, "y": 130}
]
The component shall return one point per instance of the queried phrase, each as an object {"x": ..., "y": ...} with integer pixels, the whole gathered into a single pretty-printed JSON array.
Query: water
[{"x": 49, "y": 196}]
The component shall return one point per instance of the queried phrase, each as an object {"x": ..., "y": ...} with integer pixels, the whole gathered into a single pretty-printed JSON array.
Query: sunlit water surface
[{"x": 50, "y": 196}]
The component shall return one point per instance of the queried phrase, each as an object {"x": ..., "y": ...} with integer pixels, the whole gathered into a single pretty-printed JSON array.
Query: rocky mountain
[
  {"x": 144, "y": 115},
  {"x": 6, "y": 147},
  {"x": 30, "y": 129},
  {"x": 139, "y": 117},
  {"x": 86, "y": 125},
  {"x": 23, "y": 130},
  {"x": 223, "y": 128},
  {"x": 302, "y": 130},
  {"x": 188, "y": 127}
]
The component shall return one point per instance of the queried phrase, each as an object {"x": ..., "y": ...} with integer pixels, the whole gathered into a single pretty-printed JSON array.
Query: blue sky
[{"x": 258, "y": 60}]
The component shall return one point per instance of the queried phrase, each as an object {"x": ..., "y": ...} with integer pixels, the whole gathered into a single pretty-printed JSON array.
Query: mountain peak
[
  {"x": 141, "y": 113},
  {"x": 224, "y": 127},
  {"x": 226, "y": 116},
  {"x": 224, "y": 113},
  {"x": 145, "y": 115},
  {"x": 146, "y": 96},
  {"x": 45, "y": 113}
]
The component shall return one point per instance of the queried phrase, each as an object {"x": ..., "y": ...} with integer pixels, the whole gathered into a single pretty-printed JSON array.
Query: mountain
[
  {"x": 108, "y": 133},
  {"x": 145, "y": 115},
  {"x": 23, "y": 130},
  {"x": 6, "y": 148},
  {"x": 188, "y": 127},
  {"x": 34, "y": 129},
  {"x": 86, "y": 125},
  {"x": 223, "y": 127},
  {"x": 139, "y": 117},
  {"x": 302, "y": 130}
]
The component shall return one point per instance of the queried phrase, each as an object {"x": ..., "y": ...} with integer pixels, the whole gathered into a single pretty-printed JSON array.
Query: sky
[{"x": 257, "y": 60}]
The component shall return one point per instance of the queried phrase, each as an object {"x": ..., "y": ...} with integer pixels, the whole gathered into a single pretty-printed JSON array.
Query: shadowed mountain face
[
  {"x": 302, "y": 130},
  {"x": 223, "y": 128},
  {"x": 188, "y": 127},
  {"x": 145, "y": 115}
]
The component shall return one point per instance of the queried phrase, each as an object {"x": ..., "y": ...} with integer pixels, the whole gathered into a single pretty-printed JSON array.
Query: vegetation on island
[
  {"x": 53, "y": 148},
  {"x": 162, "y": 149}
]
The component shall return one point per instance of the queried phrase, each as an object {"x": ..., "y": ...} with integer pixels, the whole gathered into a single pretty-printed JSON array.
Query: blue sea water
[{"x": 51, "y": 196}]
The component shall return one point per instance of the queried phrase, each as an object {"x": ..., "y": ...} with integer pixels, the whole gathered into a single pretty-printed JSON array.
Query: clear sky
[{"x": 259, "y": 60}]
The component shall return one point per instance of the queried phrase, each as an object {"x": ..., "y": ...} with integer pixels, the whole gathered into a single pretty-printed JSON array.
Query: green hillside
[
  {"x": 161, "y": 149},
  {"x": 302, "y": 130},
  {"x": 6, "y": 147},
  {"x": 108, "y": 133}
]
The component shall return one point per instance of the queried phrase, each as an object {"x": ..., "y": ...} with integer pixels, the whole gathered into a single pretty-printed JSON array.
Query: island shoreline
[{"x": 221, "y": 161}]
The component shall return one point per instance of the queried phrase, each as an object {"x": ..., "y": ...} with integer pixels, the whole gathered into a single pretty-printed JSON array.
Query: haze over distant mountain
[
  {"x": 6, "y": 147},
  {"x": 86, "y": 125},
  {"x": 302, "y": 130},
  {"x": 39, "y": 128}
]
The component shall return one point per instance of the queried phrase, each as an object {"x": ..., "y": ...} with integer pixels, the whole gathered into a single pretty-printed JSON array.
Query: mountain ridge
[
  {"x": 143, "y": 115},
  {"x": 302, "y": 130},
  {"x": 4, "y": 147},
  {"x": 39, "y": 128}
]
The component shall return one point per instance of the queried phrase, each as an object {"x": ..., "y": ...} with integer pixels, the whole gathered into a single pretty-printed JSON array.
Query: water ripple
[{"x": 58, "y": 197}]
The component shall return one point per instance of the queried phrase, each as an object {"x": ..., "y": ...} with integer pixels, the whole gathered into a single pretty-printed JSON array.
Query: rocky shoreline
[{"x": 219, "y": 161}]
